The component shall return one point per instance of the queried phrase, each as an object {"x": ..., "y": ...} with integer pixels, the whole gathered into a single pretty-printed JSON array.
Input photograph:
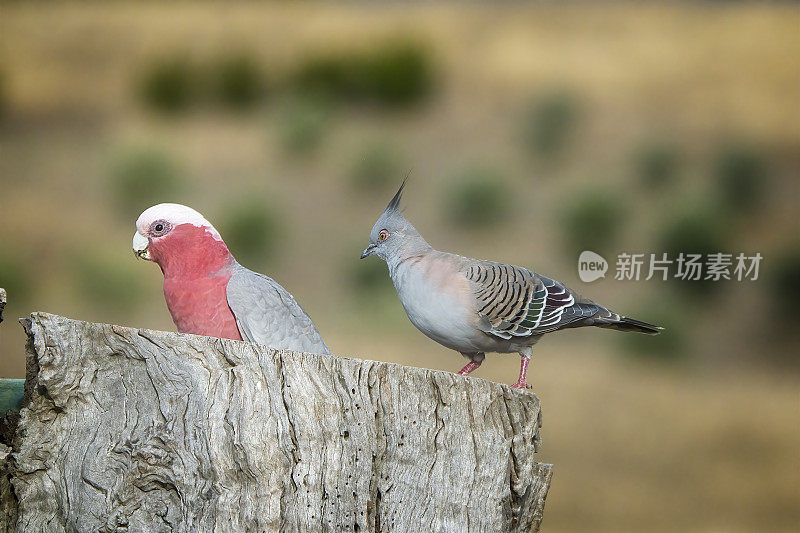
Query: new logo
[{"x": 591, "y": 266}]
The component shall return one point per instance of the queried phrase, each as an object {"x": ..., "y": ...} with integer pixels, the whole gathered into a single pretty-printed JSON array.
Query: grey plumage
[
  {"x": 476, "y": 306},
  {"x": 268, "y": 314}
]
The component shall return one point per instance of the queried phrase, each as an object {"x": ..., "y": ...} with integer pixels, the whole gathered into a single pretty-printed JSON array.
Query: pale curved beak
[
  {"x": 368, "y": 251},
  {"x": 140, "y": 245}
]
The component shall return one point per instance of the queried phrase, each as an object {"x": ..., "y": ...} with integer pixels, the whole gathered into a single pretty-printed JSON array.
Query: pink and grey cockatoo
[{"x": 209, "y": 293}]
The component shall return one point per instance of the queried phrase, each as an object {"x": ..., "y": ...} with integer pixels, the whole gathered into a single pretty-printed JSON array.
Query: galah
[
  {"x": 209, "y": 293},
  {"x": 475, "y": 306}
]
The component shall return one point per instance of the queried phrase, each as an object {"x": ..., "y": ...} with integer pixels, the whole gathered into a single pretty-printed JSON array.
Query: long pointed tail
[{"x": 629, "y": 324}]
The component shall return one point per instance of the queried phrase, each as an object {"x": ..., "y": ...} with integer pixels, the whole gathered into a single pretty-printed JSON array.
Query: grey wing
[
  {"x": 515, "y": 302},
  {"x": 267, "y": 314},
  {"x": 564, "y": 308}
]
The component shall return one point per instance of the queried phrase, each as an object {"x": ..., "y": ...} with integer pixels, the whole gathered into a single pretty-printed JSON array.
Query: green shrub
[
  {"x": 783, "y": 275},
  {"x": 699, "y": 231},
  {"x": 303, "y": 124},
  {"x": 238, "y": 81},
  {"x": 323, "y": 76},
  {"x": 741, "y": 174},
  {"x": 397, "y": 73},
  {"x": 251, "y": 230},
  {"x": 393, "y": 73},
  {"x": 657, "y": 164},
  {"x": 169, "y": 84},
  {"x": 781, "y": 271},
  {"x": 142, "y": 177},
  {"x": 592, "y": 221},
  {"x": 478, "y": 198},
  {"x": 550, "y": 122},
  {"x": 377, "y": 166},
  {"x": 695, "y": 231}
]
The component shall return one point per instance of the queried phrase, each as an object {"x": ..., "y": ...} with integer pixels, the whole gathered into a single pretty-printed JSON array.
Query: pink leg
[
  {"x": 523, "y": 371},
  {"x": 469, "y": 367}
]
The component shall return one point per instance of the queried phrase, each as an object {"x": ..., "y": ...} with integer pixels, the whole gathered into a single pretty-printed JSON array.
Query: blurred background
[{"x": 531, "y": 132}]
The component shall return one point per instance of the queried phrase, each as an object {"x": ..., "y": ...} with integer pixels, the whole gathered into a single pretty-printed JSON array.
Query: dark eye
[
  {"x": 383, "y": 235},
  {"x": 159, "y": 228}
]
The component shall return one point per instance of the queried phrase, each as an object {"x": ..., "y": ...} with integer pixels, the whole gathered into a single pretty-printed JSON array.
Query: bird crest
[{"x": 394, "y": 204}]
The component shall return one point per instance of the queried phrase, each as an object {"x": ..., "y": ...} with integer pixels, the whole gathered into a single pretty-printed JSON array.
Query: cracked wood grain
[
  {"x": 8, "y": 502},
  {"x": 146, "y": 431}
]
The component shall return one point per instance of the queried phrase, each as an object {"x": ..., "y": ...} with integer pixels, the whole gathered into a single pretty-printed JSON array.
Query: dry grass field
[{"x": 695, "y": 432}]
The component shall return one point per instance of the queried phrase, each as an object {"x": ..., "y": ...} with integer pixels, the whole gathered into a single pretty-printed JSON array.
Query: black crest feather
[{"x": 394, "y": 205}]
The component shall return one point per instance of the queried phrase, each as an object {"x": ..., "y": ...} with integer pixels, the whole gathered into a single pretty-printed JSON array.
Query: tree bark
[{"x": 147, "y": 431}]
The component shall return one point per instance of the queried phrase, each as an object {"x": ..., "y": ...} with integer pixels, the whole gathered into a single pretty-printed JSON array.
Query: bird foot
[
  {"x": 469, "y": 367},
  {"x": 521, "y": 385}
]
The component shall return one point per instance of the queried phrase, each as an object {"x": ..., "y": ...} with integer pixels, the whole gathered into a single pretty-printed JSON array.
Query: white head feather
[{"x": 175, "y": 214}]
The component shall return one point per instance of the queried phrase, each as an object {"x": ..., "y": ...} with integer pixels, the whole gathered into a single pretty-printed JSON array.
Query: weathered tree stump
[{"x": 148, "y": 431}]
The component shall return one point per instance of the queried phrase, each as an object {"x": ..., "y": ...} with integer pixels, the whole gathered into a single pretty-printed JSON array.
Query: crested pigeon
[{"x": 475, "y": 306}]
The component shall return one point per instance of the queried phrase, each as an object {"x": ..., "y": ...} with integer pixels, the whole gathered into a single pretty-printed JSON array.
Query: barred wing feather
[{"x": 515, "y": 302}]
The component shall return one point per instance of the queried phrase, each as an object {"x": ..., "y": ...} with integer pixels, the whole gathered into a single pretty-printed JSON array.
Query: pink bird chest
[
  {"x": 196, "y": 271},
  {"x": 200, "y": 306}
]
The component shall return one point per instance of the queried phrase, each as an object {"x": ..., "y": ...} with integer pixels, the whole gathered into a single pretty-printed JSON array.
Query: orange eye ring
[{"x": 383, "y": 235}]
